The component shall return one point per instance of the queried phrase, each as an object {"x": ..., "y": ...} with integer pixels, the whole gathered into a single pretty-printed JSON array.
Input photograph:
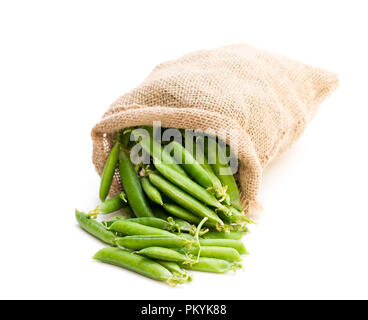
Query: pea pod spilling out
[
  {"x": 229, "y": 243},
  {"x": 141, "y": 241},
  {"x": 223, "y": 253},
  {"x": 133, "y": 228},
  {"x": 166, "y": 254},
  {"x": 136, "y": 263},
  {"x": 155, "y": 223},
  {"x": 132, "y": 187},
  {"x": 178, "y": 211},
  {"x": 95, "y": 228},
  {"x": 184, "y": 199},
  {"x": 212, "y": 265},
  {"x": 180, "y": 224},
  {"x": 111, "y": 205},
  {"x": 109, "y": 170},
  {"x": 234, "y": 235},
  {"x": 178, "y": 272}
]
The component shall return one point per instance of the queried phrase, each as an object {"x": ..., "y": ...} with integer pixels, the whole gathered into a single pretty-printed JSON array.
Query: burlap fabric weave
[{"x": 265, "y": 98}]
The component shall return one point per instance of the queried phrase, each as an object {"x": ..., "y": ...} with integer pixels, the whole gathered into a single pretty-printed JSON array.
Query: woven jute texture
[{"x": 265, "y": 99}]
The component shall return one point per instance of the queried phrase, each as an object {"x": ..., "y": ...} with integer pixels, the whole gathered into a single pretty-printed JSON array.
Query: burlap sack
[{"x": 268, "y": 98}]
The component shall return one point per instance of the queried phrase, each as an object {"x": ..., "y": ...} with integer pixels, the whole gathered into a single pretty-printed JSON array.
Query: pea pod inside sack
[{"x": 132, "y": 187}]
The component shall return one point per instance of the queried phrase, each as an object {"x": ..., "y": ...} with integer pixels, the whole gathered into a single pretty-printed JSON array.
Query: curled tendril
[{"x": 196, "y": 237}]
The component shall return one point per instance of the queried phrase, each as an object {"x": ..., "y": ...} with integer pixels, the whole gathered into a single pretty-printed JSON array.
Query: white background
[{"x": 63, "y": 62}]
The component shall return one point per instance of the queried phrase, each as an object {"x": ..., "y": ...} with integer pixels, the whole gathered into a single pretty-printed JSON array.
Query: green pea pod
[
  {"x": 211, "y": 265},
  {"x": 132, "y": 228},
  {"x": 190, "y": 165},
  {"x": 152, "y": 193},
  {"x": 223, "y": 235},
  {"x": 108, "y": 223},
  {"x": 95, "y": 228},
  {"x": 181, "y": 213},
  {"x": 236, "y": 244},
  {"x": 159, "y": 213},
  {"x": 181, "y": 224},
  {"x": 224, "y": 253},
  {"x": 189, "y": 186},
  {"x": 134, "y": 262},
  {"x": 199, "y": 153},
  {"x": 139, "y": 242},
  {"x": 184, "y": 199},
  {"x": 109, "y": 170},
  {"x": 158, "y": 154},
  {"x": 110, "y": 205},
  {"x": 223, "y": 172},
  {"x": 154, "y": 223},
  {"x": 165, "y": 254},
  {"x": 132, "y": 187}
]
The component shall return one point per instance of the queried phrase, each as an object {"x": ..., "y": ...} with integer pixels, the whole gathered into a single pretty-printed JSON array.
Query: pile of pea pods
[{"x": 174, "y": 214}]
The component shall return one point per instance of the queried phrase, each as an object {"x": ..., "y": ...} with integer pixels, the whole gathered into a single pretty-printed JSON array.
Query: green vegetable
[
  {"x": 211, "y": 265},
  {"x": 132, "y": 228},
  {"x": 184, "y": 199},
  {"x": 152, "y": 193},
  {"x": 109, "y": 170},
  {"x": 136, "y": 263},
  {"x": 132, "y": 187},
  {"x": 143, "y": 241},
  {"x": 95, "y": 228}
]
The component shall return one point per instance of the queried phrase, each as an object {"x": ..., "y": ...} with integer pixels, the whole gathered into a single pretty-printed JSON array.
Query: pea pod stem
[
  {"x": 197, "y": 236},
  {"x": 176, "y": 271}
]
